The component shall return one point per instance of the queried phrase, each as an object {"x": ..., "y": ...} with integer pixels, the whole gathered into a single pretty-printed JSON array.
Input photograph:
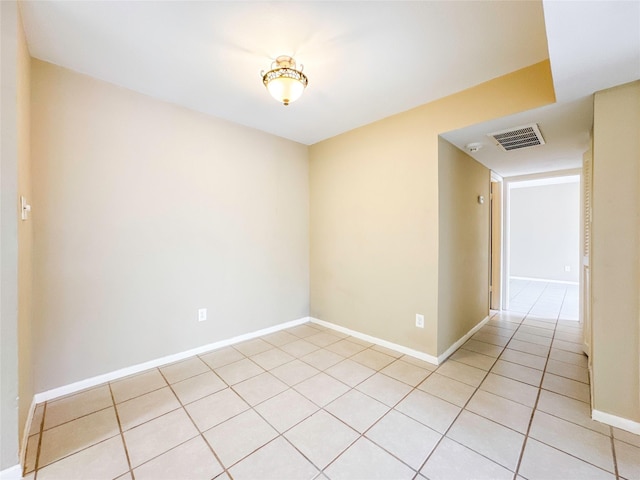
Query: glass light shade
[{"x": 285, "y": 89}]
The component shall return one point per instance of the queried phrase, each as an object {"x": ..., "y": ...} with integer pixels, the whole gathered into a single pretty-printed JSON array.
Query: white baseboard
[
  {"x": 378, "y": 341},
  {"x": 449, "y": 351},
  {"x": 158, "y": 362},
  {"x": 615, "y": 421},
  {"x": 545, "y": 280},
  {"x": 11, "y": 473}
]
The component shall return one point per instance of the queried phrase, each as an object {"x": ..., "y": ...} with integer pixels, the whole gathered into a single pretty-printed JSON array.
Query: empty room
[{"x": 320, "y": 240}]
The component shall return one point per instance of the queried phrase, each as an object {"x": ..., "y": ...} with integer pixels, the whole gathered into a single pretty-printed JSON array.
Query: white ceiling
[{"x": 365, "y": 60}]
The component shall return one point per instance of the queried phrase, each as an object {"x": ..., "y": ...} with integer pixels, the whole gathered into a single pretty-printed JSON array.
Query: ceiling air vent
[{"x": 518, "y": 137}]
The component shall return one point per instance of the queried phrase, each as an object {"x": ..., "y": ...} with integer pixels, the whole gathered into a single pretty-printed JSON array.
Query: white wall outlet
[
  {"x": 567, "y": 268},
  {"x": 419, "y": 320},
  {"x": 202, "y": 314}
]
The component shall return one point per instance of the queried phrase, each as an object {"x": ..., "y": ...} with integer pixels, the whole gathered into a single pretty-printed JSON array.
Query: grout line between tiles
[
  {"x": 613, "y": 452},
  {"x": 124, "y": 444}
]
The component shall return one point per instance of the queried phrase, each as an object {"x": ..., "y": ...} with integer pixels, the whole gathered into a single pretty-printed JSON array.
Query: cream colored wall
[
  {"x": 374, "y": 210},
  {"x": 145, "y": 212},
  {"x": 463, "y": 261},
  {"x": 615, "y": 267},
  {"x": 25, "y": 235},
  {"x": 9, "y": 423}
]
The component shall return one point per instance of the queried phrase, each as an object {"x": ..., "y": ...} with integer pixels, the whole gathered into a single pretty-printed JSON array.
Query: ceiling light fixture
[{"x": 284, "y": 82}]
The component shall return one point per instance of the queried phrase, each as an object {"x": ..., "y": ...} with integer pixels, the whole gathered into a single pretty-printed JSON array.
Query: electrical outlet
[
  {"x": 202, "y": 314},
  {"x": 419, "y": 320},
  {"x": 567, "y": 268}
]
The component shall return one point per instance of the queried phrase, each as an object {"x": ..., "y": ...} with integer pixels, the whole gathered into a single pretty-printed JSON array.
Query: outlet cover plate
[{"x": 419, "y": 320}]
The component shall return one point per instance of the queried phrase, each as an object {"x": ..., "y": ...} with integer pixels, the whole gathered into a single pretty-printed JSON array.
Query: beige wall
[
  {"x": 374, "y": 210},
  {"x": 463, "y": 261},
  {"x": 544, "y": 231},
  {"x": 9, "y": 235},
  {"x": 25, "y": 235},
  {"x": 145, "y": 212},
  {"x": 615, "y": 267}
]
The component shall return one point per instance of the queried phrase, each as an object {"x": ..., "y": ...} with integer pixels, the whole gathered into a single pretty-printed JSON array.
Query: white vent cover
[{"x": 518, "y": 137}]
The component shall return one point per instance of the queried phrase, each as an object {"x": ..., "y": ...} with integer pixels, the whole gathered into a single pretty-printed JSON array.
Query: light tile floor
[
  {"x": 553, "y": 300},
  {"x": 309, "y": 402}
]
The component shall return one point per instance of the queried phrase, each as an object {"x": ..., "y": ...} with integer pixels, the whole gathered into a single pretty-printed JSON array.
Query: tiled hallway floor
[{"x": 309, "y": 402}]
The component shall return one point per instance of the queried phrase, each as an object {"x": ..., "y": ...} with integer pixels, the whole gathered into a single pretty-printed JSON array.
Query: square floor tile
[
  {"x": 419, "y": 363},
  {"x": 568, "y": 346},
  {"x": 512, "y": 389},
  {"x": 303, "y": 331},
  {"x": 214, "y": 409},
  {"x": 373, "y": 359},
  {"x": 321, "y": 389},
  {"x": 529, "y": 329},
  {"x": 222, "y": 357},
  {"x": 542, "y": 462},
  {"x": 501, "y": 410},
  {"x": 579, "y": 359},
  {"x": 239, "y": 371},
  {"x": 76, "y": 435},
  {"x": 197, "y": 387},
  {"x": 321, "y": 438},
  {"x": 531, "y": 338},
  {"x": 628, "y": 458},
  {"x": 322, "y": 359},
  {"x": 570, "y": 409},
  {"x": 567, "y": 370},
  {"x": 75, "y": 406},
  {"x": 322, "y": 339},
  {"x": 447, "y": 389},
  {"x": 378, "y": 464},
  {"x": 429, "y": 410},
  {"x": 286, "y": 409},
  {"x": 357, "y": 410},
  {"x": 299, "y": 348},
  {"x": 146, "y": 407},
  {"x": 472, "y": 431},
  {"x": 578, "y": 441},
  {"x": 498, "y": 340},
  {"x": 384, "y": 389},
  {"x": 566, "y": 386},
  {"x": 106, "y": 459},
  {"x": 279, "y": 338},
  {"x": 482, "y": 347},
  {"x": 454, "y": 461},
  {"x": 272, "y": 358},
  {"x": 253, "y": 347},
  {"x": 522, "y": 358},
  {"x": 184, "y": 369},
  {"x": 474, "y": 359},
  {"x": 193, "y": 460},
  {"x": 294, "y": 372},
  {"x": 345, "y": 348},
  {"x": 406, "y": 372},
  {"x": 137, "y": 385},
  {"x": 461, "y": 372},
  {"x": 157, "y": 436},
  {"x": 405, "y": 438},
  {"x": 239, "y": 436},
  {"x": 277, "y": 460},
  {"x": 259, "y": 388},
  {"x": 526, "y": 347},
  {"x": 350, "y": 372},
  {"x": 521, "y": 373}
]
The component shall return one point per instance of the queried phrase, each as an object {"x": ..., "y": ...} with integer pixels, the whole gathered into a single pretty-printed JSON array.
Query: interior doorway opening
[{"x": 542, "y": 245}]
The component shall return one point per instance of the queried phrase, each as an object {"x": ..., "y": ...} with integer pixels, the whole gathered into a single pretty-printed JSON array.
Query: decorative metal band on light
[{"x": 284, "y": 82}]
